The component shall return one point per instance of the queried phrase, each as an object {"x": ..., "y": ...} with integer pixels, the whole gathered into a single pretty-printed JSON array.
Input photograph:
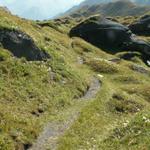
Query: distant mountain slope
[
  {"x": 93, "y": 2},
  {"x": 115, "y": 8},
  {"x": 144, "y": 2},
  {"x": 83, "y": 4}
]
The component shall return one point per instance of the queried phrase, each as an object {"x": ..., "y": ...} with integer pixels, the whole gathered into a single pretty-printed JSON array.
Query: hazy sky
[{"x": 38, "y": 9}]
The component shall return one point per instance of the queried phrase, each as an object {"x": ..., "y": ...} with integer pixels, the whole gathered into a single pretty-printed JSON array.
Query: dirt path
[{"x": 53, "y": 130}]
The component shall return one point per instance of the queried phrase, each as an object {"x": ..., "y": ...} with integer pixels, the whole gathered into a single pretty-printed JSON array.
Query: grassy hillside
[{"x": 33, "y": 93}]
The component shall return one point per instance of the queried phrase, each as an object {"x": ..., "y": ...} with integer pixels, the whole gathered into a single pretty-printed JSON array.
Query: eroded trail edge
[{"x": 53, "y": 130}]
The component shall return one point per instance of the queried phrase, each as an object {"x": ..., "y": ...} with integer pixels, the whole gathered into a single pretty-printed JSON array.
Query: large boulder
[
  {"x": 102, "y": 32},
  {"x": 142, "y": 46},
  {"x": 110, "y": 35},
  {"x": 142, "y": 26},
  {"x": 21, "y": 45}
]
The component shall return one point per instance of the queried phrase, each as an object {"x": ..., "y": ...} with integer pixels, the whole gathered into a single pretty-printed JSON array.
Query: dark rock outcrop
[
  {"x": 110, "y": 35},
  {"x": 141, "y": 46},
  {"x": 129, "y": 55},
  {"x": 142, "y": 26},
  {"x": 102, "y": 32},
  {"x": 21, "y": 45}
]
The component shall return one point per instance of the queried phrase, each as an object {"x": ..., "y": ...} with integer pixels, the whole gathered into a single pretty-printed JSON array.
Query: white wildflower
[
  {"x": 147, "y": 121},
  {"x": 99, "y": 75},
  {"x": 148, "y": 62},
  {"x": 144, "y": 118},
  {"x": 49, "y": 69},
  {"x": 125, "y": 124},
  {"x": 20, "y": 35}
]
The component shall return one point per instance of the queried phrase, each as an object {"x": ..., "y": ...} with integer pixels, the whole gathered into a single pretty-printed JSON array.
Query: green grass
[
  {"x": 34, "y": 93},
  {"x": 134, "y": 135},
  {"x": 113, "y": 107},
  {"x": 4, "y": 54},
  {"x": 29, "y": 90},
  {"x": 102, "y": 66}
]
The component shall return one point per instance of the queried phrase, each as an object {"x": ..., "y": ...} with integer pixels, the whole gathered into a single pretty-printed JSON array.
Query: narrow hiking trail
[{"x": 53, "y": 130}]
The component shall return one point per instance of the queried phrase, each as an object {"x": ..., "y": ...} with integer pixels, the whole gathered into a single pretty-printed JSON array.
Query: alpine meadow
[{"x": 78, "y": 81}]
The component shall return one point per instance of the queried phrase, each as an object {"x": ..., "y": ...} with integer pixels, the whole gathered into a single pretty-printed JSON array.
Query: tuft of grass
[
  {"x": 103, "y": 66},
  {"x": 82, "y": 47},
  {"x": 127, "y": 79},
  {"x": 6, "y": 142},
  {"x": 4, "y": 54},
  {"x": 133, "y": 135},
  {"x": 120, "y": 103},
  {"x": 141, "y": 90}
]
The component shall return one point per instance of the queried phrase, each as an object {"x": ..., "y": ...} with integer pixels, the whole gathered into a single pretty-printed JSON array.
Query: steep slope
[
  {"x": 95, "y": 2},
  {"x": 116, "y": 8},
  {"x": 83, "y": 4},
  {"x": 35, "y": 94}
]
